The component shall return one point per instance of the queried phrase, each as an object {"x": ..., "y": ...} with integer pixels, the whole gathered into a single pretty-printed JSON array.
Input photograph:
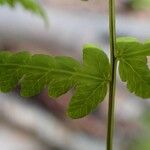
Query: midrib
[{"x": 54, "y": 71}]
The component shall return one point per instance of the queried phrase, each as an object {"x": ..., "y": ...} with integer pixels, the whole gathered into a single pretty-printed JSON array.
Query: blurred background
[{"x": 39, "y": 123}]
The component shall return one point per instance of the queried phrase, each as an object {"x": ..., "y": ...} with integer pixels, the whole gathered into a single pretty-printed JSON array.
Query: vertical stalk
[{"x": 112, "y": 85}]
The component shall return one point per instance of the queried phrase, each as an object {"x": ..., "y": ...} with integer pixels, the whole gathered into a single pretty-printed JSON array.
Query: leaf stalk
[{"x": 112, "y": 84}]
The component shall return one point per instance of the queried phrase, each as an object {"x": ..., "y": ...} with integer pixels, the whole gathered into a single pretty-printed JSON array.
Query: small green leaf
[
  {"x": 38, "y": 74},
  {"x": 63, "y": 78},
  {"x": 9, "y": 77},
  {"x": 129, "y": 47},
  {"x": 91, "y": 89},
  {"x": 133, "y": 66}
]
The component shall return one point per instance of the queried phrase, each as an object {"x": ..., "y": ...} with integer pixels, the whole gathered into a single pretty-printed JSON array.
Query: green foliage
[
  {"x": 31, "y": 5},
  {"x": 90, "y": 79},
  {"x": 140, "y": 141},
  {"x": 133, "y": 66},
  {"x": 91, "y": 89},
  {"x": 59, "y": 74},
  {"x": 140, "y": 4}
]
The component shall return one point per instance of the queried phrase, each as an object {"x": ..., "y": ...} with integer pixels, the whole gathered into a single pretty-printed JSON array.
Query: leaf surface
[
  {"x": 90, "y": 91},
  {"x": 59, "y": 74},
  {"x": 133, "y": 67}
]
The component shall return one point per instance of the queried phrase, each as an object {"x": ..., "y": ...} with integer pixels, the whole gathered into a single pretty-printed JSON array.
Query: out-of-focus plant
[
  {"x": 139, "y": 4},
  {"x": 30, "y": 5},
  {"x": 141, "y": 141},
  {"x": 90, "y": 79}
]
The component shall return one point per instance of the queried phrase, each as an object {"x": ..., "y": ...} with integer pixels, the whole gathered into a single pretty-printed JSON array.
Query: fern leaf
[{"x": 58, "y": 74}]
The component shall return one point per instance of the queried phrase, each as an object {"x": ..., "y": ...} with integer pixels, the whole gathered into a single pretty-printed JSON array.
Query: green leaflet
[
  {"x": 31, "y": 5},
  {"x": 90, "y": 91},
  {"x": 128, "y": 47},
  {"x": 63, "y": 77},
  {"x": 58, "y": 74},
  {"x": 133, "y": 66}
]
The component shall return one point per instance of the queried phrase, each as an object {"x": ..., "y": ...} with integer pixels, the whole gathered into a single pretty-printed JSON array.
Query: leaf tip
[{"x": 89, "y": 46}]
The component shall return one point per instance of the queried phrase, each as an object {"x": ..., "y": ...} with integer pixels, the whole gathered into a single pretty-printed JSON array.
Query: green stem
[{"x": 112, "y": 86}]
